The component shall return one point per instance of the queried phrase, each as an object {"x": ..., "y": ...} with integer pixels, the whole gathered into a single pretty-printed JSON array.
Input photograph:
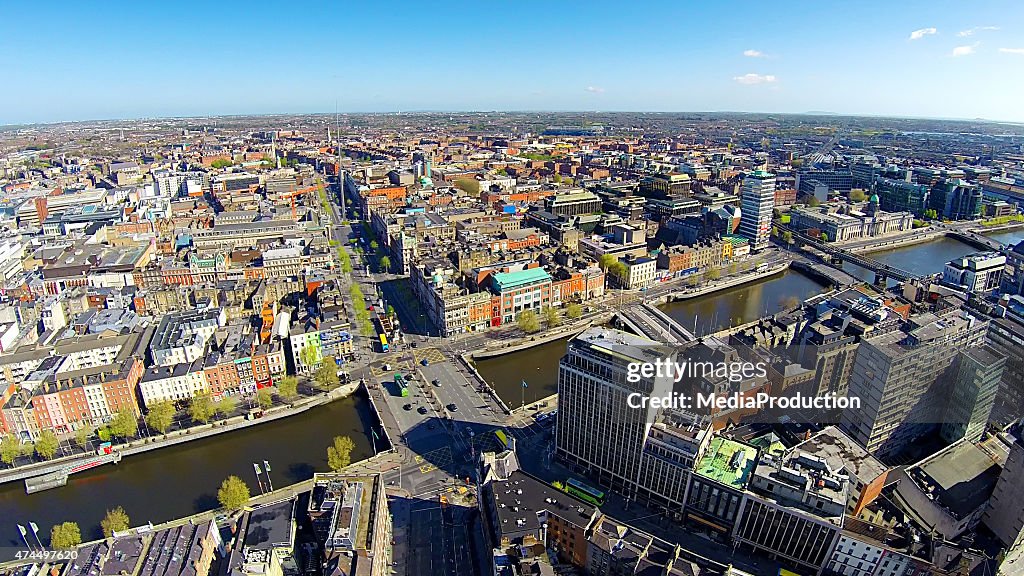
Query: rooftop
[{"x": 723, "y": 463}]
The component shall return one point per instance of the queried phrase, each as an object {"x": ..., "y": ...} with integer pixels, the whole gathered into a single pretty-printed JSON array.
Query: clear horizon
[{"x": 925, "y": 60}]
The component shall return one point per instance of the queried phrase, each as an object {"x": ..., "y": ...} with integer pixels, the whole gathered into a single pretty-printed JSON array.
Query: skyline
[{"x": 915, "y": 60}]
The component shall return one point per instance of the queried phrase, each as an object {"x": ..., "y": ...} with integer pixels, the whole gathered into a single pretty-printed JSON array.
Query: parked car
[
  {"x": 407, "y": 407},
  {"x": 435, "y": 382},
  {"x": 425, "y": 362},
  {"x": 422, "y": 409},
  {"x": 453, "y": 408}
]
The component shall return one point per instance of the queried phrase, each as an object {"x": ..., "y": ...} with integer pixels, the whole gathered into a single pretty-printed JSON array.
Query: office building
[
  {"x": 902, "y": 379},
  {"x": 350, "y": 518},
  {"x": 756, "y": 205},
  {"x": 901, "y": 196},
  {"x": 833, "y": 179},
  {"x": 973, "y": 394},
  {"x": 1004, "y": 515},
  {"x": 981, "y": 272},
  {"x": 596, "y": 429}
]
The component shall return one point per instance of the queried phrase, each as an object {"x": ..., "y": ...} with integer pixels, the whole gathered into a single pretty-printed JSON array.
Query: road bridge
[{"x": 646, "y": 320}]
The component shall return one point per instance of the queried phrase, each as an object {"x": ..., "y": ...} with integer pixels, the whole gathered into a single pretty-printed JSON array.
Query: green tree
[
  {"x": 856, "y": 195},
  {"x": 288, "y": 387},
  {"x": 620, "y": 271},
  {"x": 385, "y": 263},
  {"x": 124, "y": 424},
  {"x": 116, "y": 520},
  {"x": 824, "y": 237},
  {"x": 28, "y": 448},
  {"x": 339, "y": 453},
  {"x": 391, "y": 310},
  {"x": 528, "y": 321},
  {"x": 226, "y": 406},
  {"x": 573, "y": 311},
  {"x": 65, "y": 535},
  {"x": 47, "y": 444},
  {"x": 712, "y": 274},
  {"x": 10, "y": 449},
  {"x": 374, "y": 245},
  {"x": 160, "y": 416},
  {"x": 221, "y": 163},
  {"x": 468, "y": 185},
  {"x": 310, "y": 356},
  {"x": 787, "y": 237},
  {"x": 233, "y": 493},
  {"x": 264, "y": 397},
  {"x": 82, "y": 436},
  {"x": 813, "y": 201},
  {"x": 606, "y": 261},
  {"x": 326, "y": 376},
  {"x": 733, "y": 268},
  {"x": 551, "y": 317},
  {"x": 201, "y": 409}
]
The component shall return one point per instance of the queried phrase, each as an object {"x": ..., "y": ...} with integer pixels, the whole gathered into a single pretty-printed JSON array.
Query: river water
[
  {"x": 177, "y": 481},
  {"x": 717, "y": 311}
]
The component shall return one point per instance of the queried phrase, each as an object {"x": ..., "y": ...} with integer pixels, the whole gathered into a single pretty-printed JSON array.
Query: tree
[
  {"x": 606, "y": 261},
  {"x": 824, "y": 237},
  {"x": 264, "y": 397},
  {"x": 573, "y": 311},
  {"x": 326, "y": 376},
  {"x": 468, "y": 185},
  {"x": 385, "y": 263},
  {"x": 391, "y": 310},
  {"x": 226, "y": 406},
  {"x": 201, "y": 409},
  {"x": 310, "y": 356},
  {"x": 160, "y": 416},
  {"x": 856, "y": 195},
  {"x": 551, "y": 317},
  {"x": 733, "y": 267},
  {"x": 221, "y": 163},
  {"x": 116, "y": 520},
  {"x": 712, "y": 274},
  {"x": 233, "y": 493},
  {"x": 813, "y": 201},
  {"x": 374, "y": 245},
  {"x": 47, "y": 444},
  {"x": 620, "y": 271},
  {"x": 339, "y": 453},
  {"x": 65, "y": 535},
  {"x": 82, "y": 436},
  {"x": 528, "y": 321},
  {"x": 288, "y": 387},
  {"x": 10, "y": 449},
  {"x": 124, "y": 424},
  {"x": 787, "y": 237}
]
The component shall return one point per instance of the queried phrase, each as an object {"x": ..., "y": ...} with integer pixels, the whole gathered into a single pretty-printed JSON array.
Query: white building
[
  {"x": 640, "y": 272},
  {"x": 979, "y": 272},
  {"x": 178, "y": 382},
  {"x": 756, "y": 207}
]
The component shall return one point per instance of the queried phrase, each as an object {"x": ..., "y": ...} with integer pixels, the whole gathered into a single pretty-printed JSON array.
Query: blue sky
[{"x": 78, "y": 61}]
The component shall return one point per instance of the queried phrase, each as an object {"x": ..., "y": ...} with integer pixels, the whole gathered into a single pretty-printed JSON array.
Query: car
[
  {"x": 425, "y": 362},
  {"x": 453, "y": 408},
  {"x": 422, "y": 409},
  {"x": 435, "y": 382},
  {"x": 413, "y": 343},
  {"x": 407, "y": 407},
  {"x": 387, "y": 367}
]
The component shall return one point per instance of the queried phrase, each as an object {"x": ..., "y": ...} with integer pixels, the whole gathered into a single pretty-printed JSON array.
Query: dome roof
[{"x": 873, "y": 199}]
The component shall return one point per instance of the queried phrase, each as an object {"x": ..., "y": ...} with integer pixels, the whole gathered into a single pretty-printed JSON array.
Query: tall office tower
[
  {"x": 973, "y": 394},
  {"x": 597, "y": 429},
  {"x": 756, "y": 208},
  {"x": 902, "y": 380}
]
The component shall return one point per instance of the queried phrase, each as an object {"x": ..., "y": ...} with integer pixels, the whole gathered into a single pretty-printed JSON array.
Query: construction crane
[{"x": 295, "y": 193}]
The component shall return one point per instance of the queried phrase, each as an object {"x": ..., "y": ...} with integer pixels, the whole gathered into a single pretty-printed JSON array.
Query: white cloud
[
  {"x": 964, "y": 50},
  {"x": 1012, "y": 50},
  {"x": 755, "y": 79},
  {"x": 595, "y": 89},
  {"x": 753, "y": 53},
  {"x": 971, "y": 31},
  {"x": 918, "y": 34}
]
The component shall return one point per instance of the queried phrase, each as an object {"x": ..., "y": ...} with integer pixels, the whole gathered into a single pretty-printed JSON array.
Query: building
[
  {"x": 956, "y": 199},
  {"x": 834, "y": 180},
  {"x": 527, "y": 289},
  {"x": 901, "y": 196},
  {"x": 756, "y": 206},
  {"x": 182, "y": 337},
  {"x": 597, "y": 430},
  {"x": 902, "y": 380},
  {"x": 640, "y": 272},
  {"x": 973, "y": 394},
  {"x": 350, "y": 517},
  {"x": 980, "y": 272},
  {"x": 1004, "y": 515},
  {"x": 573, "y": 203},
  {"x": 948, "y": 491},
  {"x": 845, "y": 223}
]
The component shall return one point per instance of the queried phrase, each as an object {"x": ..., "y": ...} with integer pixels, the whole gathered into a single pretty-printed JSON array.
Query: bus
[
  {"x": 400, "y": 383},
  {"x": 586, "y": 493},
  {"x": 383, "y": 343}
]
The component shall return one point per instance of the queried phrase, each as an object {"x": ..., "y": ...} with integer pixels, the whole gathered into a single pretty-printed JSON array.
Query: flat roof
[
  {"x": 506, "y": 280},
  {"x": 717, "y": 462},
  {"x": 963, "y": 474}
]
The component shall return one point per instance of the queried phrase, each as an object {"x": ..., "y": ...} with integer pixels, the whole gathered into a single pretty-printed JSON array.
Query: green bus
[
  {"x": 400, "y": 382},
  {"x": 586, "y": 493}
]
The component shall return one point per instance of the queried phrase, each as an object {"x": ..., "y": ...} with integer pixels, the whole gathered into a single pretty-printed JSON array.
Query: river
[
  {"x": 181, "y": 480},
  {"x": 538, "y": 366}
]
